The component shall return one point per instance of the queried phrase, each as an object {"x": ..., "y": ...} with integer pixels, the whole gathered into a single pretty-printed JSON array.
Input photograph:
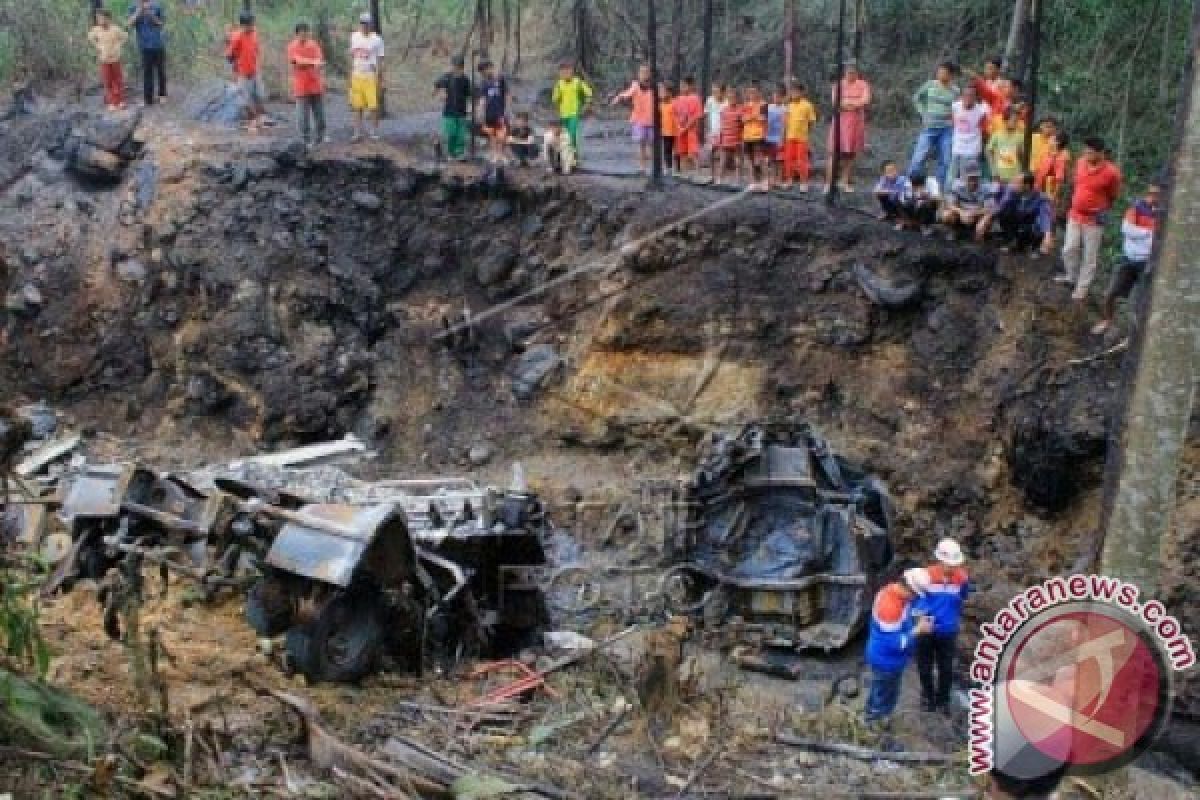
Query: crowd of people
[{"x": 974, "y": 170}]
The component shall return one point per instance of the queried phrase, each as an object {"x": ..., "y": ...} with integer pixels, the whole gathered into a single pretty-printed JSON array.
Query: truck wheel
[
  {"x": 269, "y": 607},
  {"x": 342, "y": 645}
]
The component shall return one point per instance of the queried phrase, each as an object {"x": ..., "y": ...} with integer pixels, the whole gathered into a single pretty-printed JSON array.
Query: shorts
[
  {"x": 757, "y": 149},
  {"x": 364, "y": 93},
  {"x": 253, "y": 88},
  {"x": 1126, "y": 277},
  {"x": 642, "y": 134},
  {"x": 687, "y": 144},
  {"x": 495, "y": 128}
]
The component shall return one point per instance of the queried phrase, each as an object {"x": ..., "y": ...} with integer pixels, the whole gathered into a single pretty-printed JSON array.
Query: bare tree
[
  {"x": 789, "y": 39},
  {"x": 677, "y": 42},
  {"x": 1014, "y": 50},
  {"x": 706, "y": 50}
]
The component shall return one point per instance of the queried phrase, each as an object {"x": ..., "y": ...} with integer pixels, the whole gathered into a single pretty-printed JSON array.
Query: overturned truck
[
  {"x": 780, "y": 540},
  {"x": 420, "y": 574}
]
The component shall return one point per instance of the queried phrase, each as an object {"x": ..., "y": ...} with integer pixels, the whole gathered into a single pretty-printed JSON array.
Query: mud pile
[{"x": 227, "y": 296}]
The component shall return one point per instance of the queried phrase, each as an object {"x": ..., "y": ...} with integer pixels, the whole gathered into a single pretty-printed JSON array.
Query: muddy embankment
[{"x": 224, "y": 298}]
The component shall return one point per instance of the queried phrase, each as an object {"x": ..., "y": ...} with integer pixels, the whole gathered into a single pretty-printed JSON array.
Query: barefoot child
[
  {"x": 494, "y": 98},
  {"x": 242, "y": 54},
  {"x": 689, "y": 116},
  {"x": 801, "y": 116},
  {"x": 108, "y": 39},
  {"x": 641, "y": 95},
  {"x": 520, "y": 139},
  {"x": 713, "y": 107},
  {"x": 729, "y": 148},
  {"x": 754, "y": 138}
]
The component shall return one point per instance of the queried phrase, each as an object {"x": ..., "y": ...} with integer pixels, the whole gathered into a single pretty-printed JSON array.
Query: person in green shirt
[
  {"x": 571, "y": 97},
  {"x": 1005, "y": 149},
  {"x": 934, "y": 101}
]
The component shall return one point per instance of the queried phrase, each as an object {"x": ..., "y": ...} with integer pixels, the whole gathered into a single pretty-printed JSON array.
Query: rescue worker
[
  {"x": 948, "y": 587},
  {"x": 890, "y": 642}
]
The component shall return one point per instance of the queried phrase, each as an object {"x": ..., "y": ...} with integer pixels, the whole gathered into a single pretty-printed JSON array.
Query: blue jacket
[
  {"x": 1031, "y": 208},
  {"x": 149, "y": 35},
  {"x": 943, "y": 600},
  {"x": 890, "y": 637}
]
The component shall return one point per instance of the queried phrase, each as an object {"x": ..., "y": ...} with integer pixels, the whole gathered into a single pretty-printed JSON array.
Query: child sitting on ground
[
  {"x": 887, "y": 191},
  {"x": 557, "y": 150},
  {"x": 918, "y": 204},
  {"x": 521, "y": 139}
]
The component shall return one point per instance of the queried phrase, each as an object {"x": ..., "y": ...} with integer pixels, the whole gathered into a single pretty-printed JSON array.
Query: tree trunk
[
  {"x": 507, "y": 16},
  {"x": 706, "y": 50},
  {"x": 1015, "y": 48},
  {"x": 789, "y": 39},
  {"x": 516, "y": 70},
  {"x": 677, "y": 43},
  {"x": 1144, "y": 463},
  {"x": 860, "y": 26},
  {"x": 656, "y": 177},
  {"x": 1164, "y": 66}
]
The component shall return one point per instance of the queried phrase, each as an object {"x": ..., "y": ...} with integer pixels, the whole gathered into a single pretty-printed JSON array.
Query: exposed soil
[{"x": 264, "y": 299}]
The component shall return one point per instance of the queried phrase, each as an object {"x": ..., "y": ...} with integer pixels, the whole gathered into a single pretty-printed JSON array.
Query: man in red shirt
[
  {"x": 1097, "y": 185},
  {"x": 242, "y": 54},
  {"x": 305, "y": 56}
]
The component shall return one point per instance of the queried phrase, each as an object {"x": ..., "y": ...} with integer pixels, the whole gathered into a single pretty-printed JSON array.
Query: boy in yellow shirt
[
  {"x": 801, "y": 116},
  {"x": 572, "y": 96}
]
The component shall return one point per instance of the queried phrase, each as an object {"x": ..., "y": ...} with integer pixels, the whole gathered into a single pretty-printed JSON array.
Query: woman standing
[{"x": 852, "y": 132}]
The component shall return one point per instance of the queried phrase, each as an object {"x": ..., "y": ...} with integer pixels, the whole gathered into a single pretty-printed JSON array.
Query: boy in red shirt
[
  {"x": 1097, "y": 185},
  {"x": 729, "y": 140},
  {"x": 689, "y": 112},
  {"x": 305, "y": 56},
  {"x": 242, "y": 54}
]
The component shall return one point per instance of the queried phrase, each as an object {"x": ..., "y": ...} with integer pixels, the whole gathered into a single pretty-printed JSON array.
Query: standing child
[
  {"x": 366, "y": 69},
  {"x": 641, "y": 95},
  {"x": 801, "y": 116},
  {"x": 571, "y": 97},
  {"x": 108, "y": 39},
  {"x": 754, "y": 138},
  {"x": 305, "y": 56},
  {"x": 557, "y": 150},
  {"x": 713, "y": 106},
  {"x": 455, "y": 88},
  {"x": 494, "y": 97},
  {"x": 668, "y": 123},
  {"x": 689, "y": 116},
  {"x": 1005, "y": 149},
  {"x": 242, "y": 53},
  {"x": 776, "y": 129},
  {"x": 730, "y": 143}
]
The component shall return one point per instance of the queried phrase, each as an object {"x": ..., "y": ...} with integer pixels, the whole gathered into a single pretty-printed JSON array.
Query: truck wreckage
[
  {"x": 780, "y": 540},
  {"x": 777, "y": 544}
]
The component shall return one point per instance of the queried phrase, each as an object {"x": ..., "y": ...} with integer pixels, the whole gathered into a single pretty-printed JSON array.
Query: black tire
[
  {"x": 269, "y": 607},
  {"x": 342, "y": 645},
  {"x": 93, "y": 562}
]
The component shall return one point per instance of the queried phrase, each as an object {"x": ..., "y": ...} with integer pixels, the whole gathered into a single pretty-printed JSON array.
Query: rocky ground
[{"x": 233, "y": 295}]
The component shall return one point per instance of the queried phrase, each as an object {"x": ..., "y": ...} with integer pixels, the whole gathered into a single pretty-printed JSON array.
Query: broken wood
[
  {"x": 866, "y": 753},
  {"x": 308, "y": 455},
  {"x": 46, "y": 455}
]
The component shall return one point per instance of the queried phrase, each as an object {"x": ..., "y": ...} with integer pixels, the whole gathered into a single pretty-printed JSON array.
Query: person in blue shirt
[
  {"x": 890, "y": 642},
  {"x": 888, "y": 190},
  {"x": 945, "y": 593},
  {"x": 1025, "y": 215},
  {"x": 148, "y": 22}
]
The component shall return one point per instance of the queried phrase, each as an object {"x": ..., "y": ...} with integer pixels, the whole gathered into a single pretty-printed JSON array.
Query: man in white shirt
[
  {"x": 366, "y": 58},
  {"x": 1137, "y": 235},
  {"x": 970, "y": 121}
]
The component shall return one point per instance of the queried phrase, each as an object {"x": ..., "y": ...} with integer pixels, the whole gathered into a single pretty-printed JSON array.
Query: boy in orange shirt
[
  {"x": 754, "y": 138},
  {"x": 305, "y": 56},
  {"x": 641, "y": 94},
  {"x": 689, "y": 112},
  {"x": 801, "y": 116},
  {"x": 242, "y": 54},
  {"x": 666, "y": 112}
]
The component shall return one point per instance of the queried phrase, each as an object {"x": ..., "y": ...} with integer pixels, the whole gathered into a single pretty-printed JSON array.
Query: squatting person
[{"x": 891, "y": 640}]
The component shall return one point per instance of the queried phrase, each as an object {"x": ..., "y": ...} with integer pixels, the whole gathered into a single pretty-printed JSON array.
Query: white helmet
[
  {"x": 949, "y": 553},
  {"x": 917, "y": 580}
]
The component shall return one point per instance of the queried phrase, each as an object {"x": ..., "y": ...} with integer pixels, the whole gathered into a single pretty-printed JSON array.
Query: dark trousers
[
  {"x": 311, "y": 107},
  {"x": 154, "y": 66},
  {"x": 889, "y": 204},
  {"x": 525, "y": 152},
  {"x": 922, "y": 212},
  {"x": 668, "y": 146},
  {"x": 1019, "y": 231},
  {"x": 935, "y": 665},
  {"x": 884, "y": 694}
]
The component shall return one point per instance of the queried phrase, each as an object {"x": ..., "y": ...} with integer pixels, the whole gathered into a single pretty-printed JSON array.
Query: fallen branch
[{"x": 865, "y": 753}]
